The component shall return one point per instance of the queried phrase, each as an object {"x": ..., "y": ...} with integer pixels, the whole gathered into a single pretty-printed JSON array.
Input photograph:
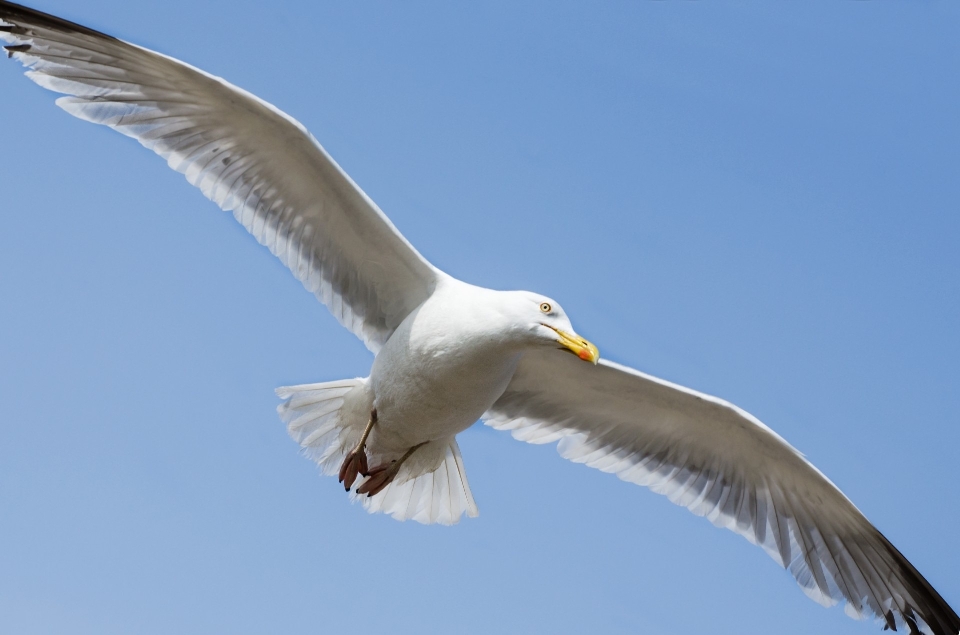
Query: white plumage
[{"x": 449, "y": 353}]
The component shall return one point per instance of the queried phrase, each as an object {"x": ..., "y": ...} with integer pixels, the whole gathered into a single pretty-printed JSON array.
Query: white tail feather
[
  {"x": 327, "y": 419},
  {"x": 430, "y": 488},
  {"x": 317, "y": 420}
]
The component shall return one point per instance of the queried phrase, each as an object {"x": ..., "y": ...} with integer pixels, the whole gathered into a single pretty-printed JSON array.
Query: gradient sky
[{"x": 757, "y": 200}]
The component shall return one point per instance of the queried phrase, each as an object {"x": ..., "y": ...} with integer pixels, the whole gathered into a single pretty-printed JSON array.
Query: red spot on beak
[{"x": 585, "y": 355}]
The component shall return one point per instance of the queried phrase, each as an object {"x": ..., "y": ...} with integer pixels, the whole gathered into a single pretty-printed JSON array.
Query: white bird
[{"x": 449, "y": 353}]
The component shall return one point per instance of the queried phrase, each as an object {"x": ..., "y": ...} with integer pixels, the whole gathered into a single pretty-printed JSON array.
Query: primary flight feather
[{"x": 448, "y": 353}]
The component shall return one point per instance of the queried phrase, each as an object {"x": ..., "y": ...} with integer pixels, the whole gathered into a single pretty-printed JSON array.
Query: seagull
[{"x": 448, "y": 353}]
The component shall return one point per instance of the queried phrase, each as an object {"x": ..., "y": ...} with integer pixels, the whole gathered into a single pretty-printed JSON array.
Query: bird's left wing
[
  {"x": 245, "y": 155},
  {"x": 720, "y": 462}
]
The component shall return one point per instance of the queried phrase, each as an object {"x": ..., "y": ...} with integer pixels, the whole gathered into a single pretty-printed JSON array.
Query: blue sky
[{"x": 756, "y": 200}]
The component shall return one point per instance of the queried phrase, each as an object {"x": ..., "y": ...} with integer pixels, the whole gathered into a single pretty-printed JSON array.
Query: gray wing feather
[
  {"x": 722, "y": 463},
  {"x": 243, "y": 154}
]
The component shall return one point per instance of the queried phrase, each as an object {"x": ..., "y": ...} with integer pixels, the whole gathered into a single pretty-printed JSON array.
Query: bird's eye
[{"x": 545, "y": 307}]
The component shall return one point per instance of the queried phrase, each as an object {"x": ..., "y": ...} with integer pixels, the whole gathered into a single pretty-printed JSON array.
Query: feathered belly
[{"x": 424, "y": 394}]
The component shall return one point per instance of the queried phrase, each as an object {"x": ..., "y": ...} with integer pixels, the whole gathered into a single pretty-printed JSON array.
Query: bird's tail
[
  {"x": 327, "y": 420},
  {"x": 431, "y": 487}
]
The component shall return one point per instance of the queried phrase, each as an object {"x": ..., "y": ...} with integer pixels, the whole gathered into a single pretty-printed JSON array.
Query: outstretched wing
[
  {"x": 245, "y": 155},
  {"x": 720, "y": 462}
]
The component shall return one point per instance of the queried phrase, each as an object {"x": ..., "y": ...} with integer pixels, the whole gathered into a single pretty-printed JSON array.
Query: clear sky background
[{"x": 757, "y": 200}]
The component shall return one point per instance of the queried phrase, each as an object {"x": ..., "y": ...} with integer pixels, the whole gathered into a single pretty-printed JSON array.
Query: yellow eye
[{"x": 545, "y": 307}]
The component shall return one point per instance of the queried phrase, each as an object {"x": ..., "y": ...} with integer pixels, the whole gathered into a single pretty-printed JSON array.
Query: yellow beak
[{"x": 577, "y": 345}]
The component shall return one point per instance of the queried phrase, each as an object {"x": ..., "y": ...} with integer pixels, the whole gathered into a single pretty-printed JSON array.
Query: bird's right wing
[
  {"x": 242, "y": 153},
  {"x": 720, "y": 462}
]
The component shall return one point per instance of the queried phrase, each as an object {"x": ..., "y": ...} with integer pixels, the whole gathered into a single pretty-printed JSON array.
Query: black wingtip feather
[
  {"x": 891, "y": 624},
  {"x": 15, "y": 13},
  {"x": 927, "y": 605},
  {"x": 17, "y": 48},
  {"x": 912, "y": 624}
]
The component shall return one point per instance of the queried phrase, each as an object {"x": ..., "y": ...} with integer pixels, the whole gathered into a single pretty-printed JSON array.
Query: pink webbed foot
[
  {"x": 380, "y": 477},
  {"x": 353, "y": 464},
  {"x": 383, "y": 475}
]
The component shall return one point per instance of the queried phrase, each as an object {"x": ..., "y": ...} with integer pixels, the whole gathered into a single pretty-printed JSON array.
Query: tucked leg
[
  {"x": 383, "y": 475},
  {"x": 356, "y": 461}
]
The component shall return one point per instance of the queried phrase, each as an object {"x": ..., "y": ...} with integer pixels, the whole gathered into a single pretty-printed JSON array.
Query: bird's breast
[{"x": 435, "y": 377}]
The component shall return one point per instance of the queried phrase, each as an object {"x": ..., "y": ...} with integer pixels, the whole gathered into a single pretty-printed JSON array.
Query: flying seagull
[{"x": 448, "y": 353}]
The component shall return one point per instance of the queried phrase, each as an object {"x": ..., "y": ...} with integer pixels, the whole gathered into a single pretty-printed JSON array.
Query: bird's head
[{"x": 546, "y": 322}]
